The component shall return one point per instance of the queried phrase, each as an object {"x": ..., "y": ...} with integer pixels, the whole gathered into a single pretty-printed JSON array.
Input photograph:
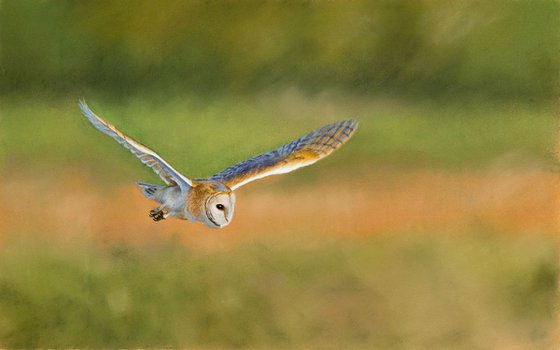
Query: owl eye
[{"x": 220, "y": 206}]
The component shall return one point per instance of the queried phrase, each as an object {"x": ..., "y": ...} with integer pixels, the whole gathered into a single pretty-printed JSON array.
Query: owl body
[
  {"x": 211, "y": 201},
  {"x": 195, "y": 204}
]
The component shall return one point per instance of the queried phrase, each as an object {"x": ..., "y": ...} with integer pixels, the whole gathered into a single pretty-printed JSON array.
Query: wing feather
[
  {"x": 143, "y": 153},
  {"x": 299, "y": 153}
]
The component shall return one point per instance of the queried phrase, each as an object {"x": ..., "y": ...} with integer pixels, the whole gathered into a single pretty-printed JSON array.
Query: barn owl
[{"x": 211, "y": 201}]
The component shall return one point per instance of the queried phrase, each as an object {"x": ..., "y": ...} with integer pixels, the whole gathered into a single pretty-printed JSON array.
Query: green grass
[
  {"x": 201, "y": 137},
  {"x": 405, "y": 291}
]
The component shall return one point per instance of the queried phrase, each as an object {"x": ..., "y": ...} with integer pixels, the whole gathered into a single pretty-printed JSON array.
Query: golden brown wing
[
  {"x": 146, "y": 155},
  {"x": 296, "y": 154}
]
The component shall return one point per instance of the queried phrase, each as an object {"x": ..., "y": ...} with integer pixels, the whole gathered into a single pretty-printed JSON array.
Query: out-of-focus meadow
[{"x": 434, "y": 227}]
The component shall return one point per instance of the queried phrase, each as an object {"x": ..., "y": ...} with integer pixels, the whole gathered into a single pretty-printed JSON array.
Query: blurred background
[{"x": 434, "y": 227}]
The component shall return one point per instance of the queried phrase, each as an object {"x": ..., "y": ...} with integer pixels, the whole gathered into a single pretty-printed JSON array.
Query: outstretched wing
[
  {"x": 296, "y": 154},
  {"x": 146, "y": 155}
]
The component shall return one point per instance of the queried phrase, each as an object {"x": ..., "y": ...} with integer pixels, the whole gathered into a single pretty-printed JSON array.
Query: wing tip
[
  {"x": 347, "y": 123},
  {"x": 82, "y": 103},
  {"x": 352, "y": 123},
  {"x": 86, "y": 111}
]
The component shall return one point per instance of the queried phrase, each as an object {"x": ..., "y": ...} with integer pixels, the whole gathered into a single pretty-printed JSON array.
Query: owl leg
[{"x": 159, "y": 213}]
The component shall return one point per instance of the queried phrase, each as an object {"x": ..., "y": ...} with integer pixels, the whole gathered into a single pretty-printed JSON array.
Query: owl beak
[
  {"x": 218, "y": 225},
  {"x": 227, "y": 222}
]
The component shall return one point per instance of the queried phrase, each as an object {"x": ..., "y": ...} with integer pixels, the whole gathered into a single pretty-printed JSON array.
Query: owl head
[
  {"x": 213, "y": 203},
  {"x": 219, "y": 209}
]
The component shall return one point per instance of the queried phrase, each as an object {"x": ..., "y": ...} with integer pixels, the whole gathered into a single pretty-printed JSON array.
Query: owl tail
[{"x": 149, "y": 190}]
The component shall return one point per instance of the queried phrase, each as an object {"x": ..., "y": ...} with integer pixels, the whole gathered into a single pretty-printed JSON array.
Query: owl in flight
[{"x": 211, "y": 201}]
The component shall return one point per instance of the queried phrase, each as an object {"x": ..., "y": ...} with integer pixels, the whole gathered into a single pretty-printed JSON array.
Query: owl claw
[{"x": 158, "y": 214}]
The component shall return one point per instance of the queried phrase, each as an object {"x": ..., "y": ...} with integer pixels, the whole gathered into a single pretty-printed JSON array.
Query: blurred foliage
[
  {"x": 496, "y": 50},
  {"x": 411, "y": 291}
]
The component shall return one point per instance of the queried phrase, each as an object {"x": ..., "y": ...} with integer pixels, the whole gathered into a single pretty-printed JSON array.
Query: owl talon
[{"x": 158, "y": 214}]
